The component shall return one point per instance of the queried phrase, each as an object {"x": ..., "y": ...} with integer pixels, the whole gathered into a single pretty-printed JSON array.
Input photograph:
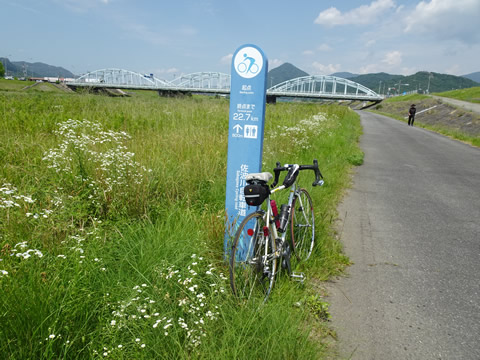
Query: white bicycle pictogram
[{"x": 245, "y": 68}]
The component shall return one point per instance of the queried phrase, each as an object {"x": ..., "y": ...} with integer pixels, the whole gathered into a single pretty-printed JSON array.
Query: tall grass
[
  {"x": 469, "y": 94},
  {"x": 449, "y": 123},
  {"x": 111, "y": 227}
]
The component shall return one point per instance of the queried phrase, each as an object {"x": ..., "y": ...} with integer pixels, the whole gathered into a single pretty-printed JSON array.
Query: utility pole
[
  {"x": 6, "y": 61},
  {"x": 428, "y": 87}
]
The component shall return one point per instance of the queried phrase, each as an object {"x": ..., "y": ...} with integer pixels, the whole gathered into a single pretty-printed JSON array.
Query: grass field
[
  {"x": 14, "y": 85},
  {"x": 111, "y": 228},
  {"x": 443, "y": 118},
  {"x": 470, "y": 94}
]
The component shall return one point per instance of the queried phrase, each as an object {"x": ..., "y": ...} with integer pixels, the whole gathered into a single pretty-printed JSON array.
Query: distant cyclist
[{"x": 411, "y": 115}]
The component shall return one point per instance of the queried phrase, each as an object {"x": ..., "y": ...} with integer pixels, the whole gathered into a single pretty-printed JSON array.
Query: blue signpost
[{"x": 245, "y": 136}]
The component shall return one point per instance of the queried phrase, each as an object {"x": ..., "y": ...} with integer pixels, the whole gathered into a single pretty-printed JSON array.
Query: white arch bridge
[{"x": 313, "y": 87}]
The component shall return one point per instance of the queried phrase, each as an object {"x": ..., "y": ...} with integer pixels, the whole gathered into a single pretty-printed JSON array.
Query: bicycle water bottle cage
[
  {"x": 257, "y": 189},
  {"x": 291, "y": 176}
]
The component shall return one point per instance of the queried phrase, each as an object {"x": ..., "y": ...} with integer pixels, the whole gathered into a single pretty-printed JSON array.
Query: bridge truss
[
  {"x": 315, "y": 86},
  {"x": 326, "y": 87},
  {"x": 203, "y": 80},
  {"x": 118, "y": 78}
]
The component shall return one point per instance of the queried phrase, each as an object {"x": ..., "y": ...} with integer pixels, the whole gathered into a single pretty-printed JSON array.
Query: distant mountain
[
  {"x": 377, "y": 81},
  {"x": 473, "y": 76},
  {"x": 283, "y": 73},
  {"x": 344, "y": 75},
  {"x": 384, "y": 83},
  {"x": 38, "y": 69},
  {"x": 421, "y": 81},
  {"x": 9, "y": 67}
]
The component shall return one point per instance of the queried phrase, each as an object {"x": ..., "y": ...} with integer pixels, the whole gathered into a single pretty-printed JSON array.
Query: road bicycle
[{"x": 267, "y": 236}]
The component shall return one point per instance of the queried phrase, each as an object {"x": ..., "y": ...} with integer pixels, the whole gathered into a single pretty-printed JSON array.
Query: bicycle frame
[{"x": 279, "y": 240}]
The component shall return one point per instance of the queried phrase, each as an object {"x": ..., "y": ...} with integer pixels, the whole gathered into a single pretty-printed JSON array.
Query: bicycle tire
[
  {"x": 302, "y": 226},
  {"x": 252, "y": 274}
]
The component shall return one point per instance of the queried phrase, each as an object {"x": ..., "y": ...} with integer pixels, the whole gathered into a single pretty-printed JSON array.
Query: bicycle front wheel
[
  {"x": 302, "y": 226},
  {"x": 253, "y": 261}
]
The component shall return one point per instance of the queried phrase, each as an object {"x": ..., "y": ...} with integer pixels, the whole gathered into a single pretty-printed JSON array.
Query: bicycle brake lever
[{"x": 318, "y": 183}]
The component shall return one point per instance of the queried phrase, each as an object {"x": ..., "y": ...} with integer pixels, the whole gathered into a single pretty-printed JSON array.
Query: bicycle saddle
[{"x": 264, "y": 176}]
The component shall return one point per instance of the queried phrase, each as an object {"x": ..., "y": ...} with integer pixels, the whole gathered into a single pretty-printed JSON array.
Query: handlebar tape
[{"x": 318, "y": 175}]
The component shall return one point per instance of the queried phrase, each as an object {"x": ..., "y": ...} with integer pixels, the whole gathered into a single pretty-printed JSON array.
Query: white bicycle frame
[{"x": 271, "y": 225}]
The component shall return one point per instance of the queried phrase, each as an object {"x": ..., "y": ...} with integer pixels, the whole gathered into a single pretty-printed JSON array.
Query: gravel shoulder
[{"x": 459, "y": 103}]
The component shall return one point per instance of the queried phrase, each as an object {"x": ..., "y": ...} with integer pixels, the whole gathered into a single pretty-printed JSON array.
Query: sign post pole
[{"x": 245, "y": 135}]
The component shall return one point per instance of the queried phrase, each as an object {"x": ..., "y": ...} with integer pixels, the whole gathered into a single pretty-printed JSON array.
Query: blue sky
[{"x": 169, "y": 38}]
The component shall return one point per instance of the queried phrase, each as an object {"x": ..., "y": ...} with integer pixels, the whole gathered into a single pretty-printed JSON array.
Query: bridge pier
[
  {"x": 174, "y": 93},
  {"x": 271, "y": 99}
]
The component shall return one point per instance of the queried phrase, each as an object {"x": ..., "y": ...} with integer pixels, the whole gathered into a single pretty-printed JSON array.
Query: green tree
[{"x": 2, "y": 70}]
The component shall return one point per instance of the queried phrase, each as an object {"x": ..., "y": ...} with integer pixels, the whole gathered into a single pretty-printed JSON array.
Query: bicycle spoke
[
  {"x": 302, "y": 226},
  {"x": 251, "y": 265}
]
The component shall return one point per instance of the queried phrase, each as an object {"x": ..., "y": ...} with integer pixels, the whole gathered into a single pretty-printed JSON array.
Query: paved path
[
  {"x": 411, "y": 225},
  {"x": 459, "y": 103}
]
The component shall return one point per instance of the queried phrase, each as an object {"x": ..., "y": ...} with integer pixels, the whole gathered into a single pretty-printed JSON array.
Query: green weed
[
  {"x": 111, "y": 226},
  {"x": 470, "y": 94}
]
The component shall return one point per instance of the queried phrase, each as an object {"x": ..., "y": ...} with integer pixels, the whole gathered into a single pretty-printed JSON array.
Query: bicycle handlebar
[{"x": 318, "y": 175}]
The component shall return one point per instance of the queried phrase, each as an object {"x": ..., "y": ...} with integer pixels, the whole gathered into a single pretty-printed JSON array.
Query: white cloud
[
  {"x": 188, "y": 30},
  {"x": 321, "y": 47},
  {"x": 23, "y": 7},
  {"x": 454, "y": 70},
  {"x": 324, "y": 47},
  {"x": 391, "y": 61},
  {"x": 325, "y": 69},
  {"x": 274, "y": 63},
  {"x": 365, "y": 14},
  {"x": 370, "y": 68},
  {"x": 142, "y": 32},
  {"x": 446, "y": 19},
  {"x": 81, "y": 6},
  {"x": 227, "y": 59},
  {"x": 408, "y": 70},
  {"x": 392, "y": 58},
  {"x": 377, "y": 68}
]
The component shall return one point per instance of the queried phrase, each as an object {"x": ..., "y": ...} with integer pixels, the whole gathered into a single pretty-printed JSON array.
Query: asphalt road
[{"x": 411, "y": 225}]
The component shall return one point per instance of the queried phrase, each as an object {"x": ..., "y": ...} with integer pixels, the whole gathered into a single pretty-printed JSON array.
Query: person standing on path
[{"x": 411, "y": 115}]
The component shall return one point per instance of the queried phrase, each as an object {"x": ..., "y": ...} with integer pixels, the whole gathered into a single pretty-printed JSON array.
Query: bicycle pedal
[{"x": 300, "y": 277}]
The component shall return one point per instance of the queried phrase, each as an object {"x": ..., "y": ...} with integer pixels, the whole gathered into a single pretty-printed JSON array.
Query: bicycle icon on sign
[{"x": 245, "y": 68}]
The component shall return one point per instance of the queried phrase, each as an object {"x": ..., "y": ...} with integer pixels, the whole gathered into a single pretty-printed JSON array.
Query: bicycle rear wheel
[
  {"x": 253, "y": 261},
  {"x": 302, "y": 226}
]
